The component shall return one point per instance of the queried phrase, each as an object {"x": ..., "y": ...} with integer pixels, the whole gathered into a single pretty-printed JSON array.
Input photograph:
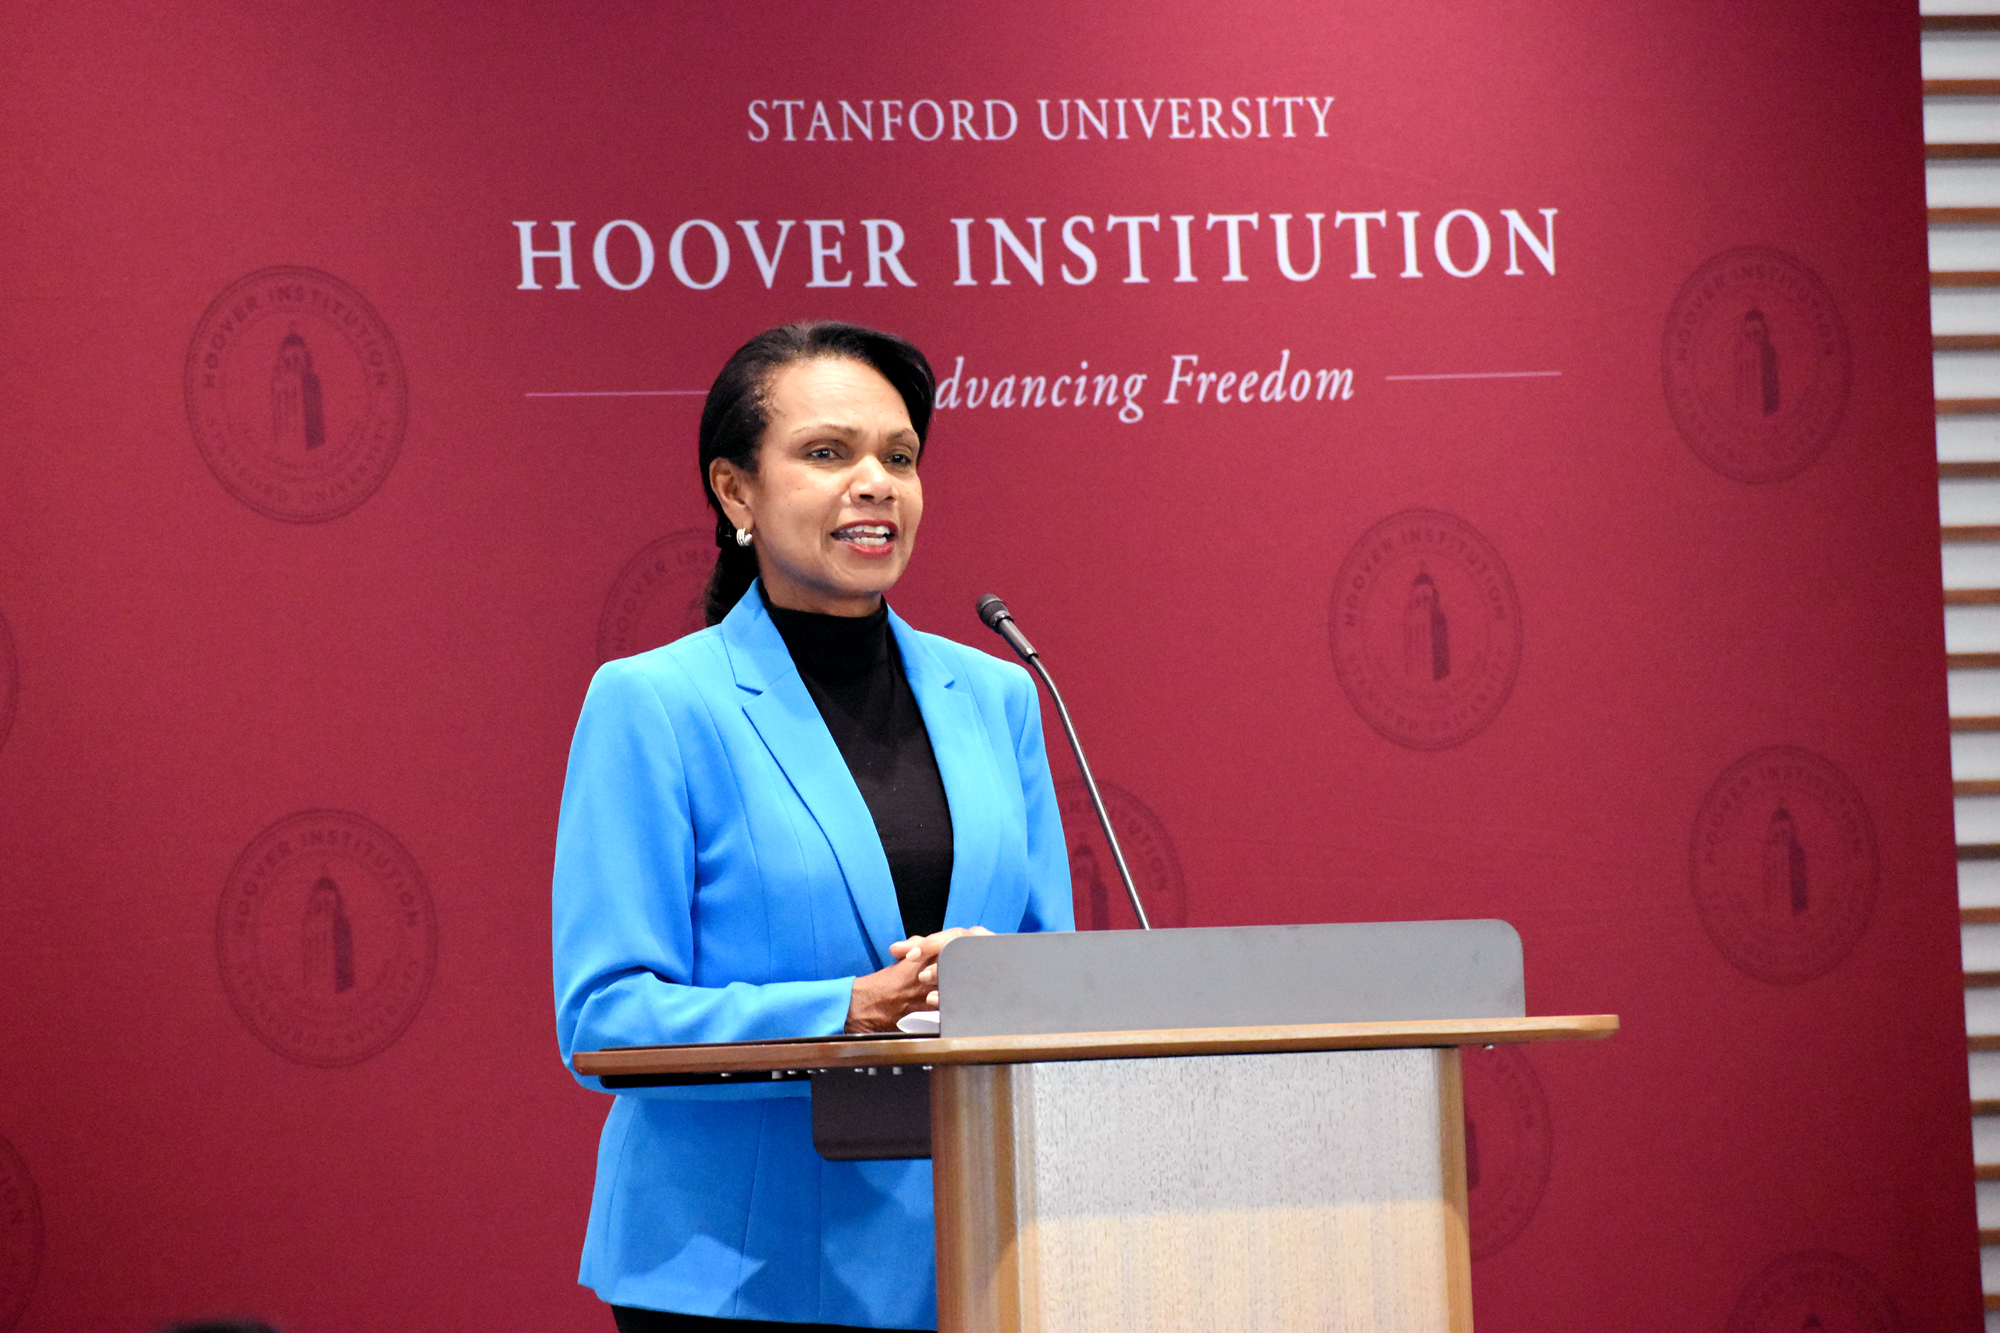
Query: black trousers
[{"x": 631, "y": 1319}]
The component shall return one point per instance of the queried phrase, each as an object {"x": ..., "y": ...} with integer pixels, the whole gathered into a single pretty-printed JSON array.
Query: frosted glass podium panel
[{"x": 1318, "y": 1190}]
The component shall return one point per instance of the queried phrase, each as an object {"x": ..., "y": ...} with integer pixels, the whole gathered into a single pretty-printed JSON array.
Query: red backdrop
[{"x": 1595, "y": 589}]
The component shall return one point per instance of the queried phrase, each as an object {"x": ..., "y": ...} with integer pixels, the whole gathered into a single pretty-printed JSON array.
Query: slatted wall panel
[{"x": 1961, "y": 61}]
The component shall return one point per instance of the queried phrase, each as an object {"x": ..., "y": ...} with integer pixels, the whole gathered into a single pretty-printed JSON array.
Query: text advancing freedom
[{"x": 1188, "y": 384}]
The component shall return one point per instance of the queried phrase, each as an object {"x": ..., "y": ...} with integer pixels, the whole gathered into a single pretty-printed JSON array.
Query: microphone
[{"x": 998, "y": 619}]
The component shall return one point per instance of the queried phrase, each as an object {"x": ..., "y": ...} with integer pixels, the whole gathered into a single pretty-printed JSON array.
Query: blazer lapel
[
  {"x": 965, "y": 763},
  {"x": 790, "y": 726}
]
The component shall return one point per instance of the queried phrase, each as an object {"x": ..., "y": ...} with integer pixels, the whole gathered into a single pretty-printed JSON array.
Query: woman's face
[{"x": 834, "y": 504}]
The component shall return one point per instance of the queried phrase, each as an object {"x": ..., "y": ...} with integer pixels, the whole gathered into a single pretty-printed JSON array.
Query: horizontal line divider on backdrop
[
  {"x": 1979, "y": 916},
  {"x": 1976, "y": 787},
  {"x": 1979, "y": 851},
  {"x": 1961, "y": 88},
  {"x": 616, "y": 393},
  {"x": 1970, "y": 532},
  {"x": 1482, "y": 375},
  {"x": 1971, "y": 661},
  {"x": 1986, "y": 1105},
  {"x": 1973, "y": 597},
  {"x": 1965, "y": 342},
  {"x": 1983, "y": 1041},
  {"x": 1967, "y": 407},
  {"x": 1969, "y": 471},
  {"x": 1964, "y": 277},
  {"x": 1961, "y": 22},
  {"x": 1986, "y": 1171},
  {"x": 1982, "y": 981}
]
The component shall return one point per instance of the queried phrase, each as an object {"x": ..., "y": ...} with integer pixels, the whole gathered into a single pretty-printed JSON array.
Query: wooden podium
[{"x": 1297, "y": 1176}]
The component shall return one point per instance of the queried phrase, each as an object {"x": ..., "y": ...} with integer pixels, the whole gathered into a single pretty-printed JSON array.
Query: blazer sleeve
[
  {"x": 1050, "y": 904},
  {"x": 623, "y": 894}
]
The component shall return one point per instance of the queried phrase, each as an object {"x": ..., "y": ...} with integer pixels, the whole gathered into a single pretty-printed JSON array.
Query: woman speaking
[{"x": 769, "y": 829}]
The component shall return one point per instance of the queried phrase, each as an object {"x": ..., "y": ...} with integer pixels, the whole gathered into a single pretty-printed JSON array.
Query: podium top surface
[{"x": 896, "y": 1050}]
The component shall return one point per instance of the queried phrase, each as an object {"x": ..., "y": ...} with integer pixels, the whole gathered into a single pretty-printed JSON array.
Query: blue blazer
[{"x": 718, "y": 878}]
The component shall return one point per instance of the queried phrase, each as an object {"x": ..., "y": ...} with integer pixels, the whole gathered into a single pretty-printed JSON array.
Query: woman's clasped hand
[{"x": 906, "y": 985}]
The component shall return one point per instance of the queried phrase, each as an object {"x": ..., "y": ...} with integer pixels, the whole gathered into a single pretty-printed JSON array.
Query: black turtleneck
[{"x": 855, "y": 675}]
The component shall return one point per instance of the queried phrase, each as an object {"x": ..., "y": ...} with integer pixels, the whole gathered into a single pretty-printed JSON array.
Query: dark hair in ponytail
[{"x": 735, "y": 416}]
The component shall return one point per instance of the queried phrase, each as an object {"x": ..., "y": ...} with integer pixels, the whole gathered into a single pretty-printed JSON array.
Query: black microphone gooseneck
[{"x": 994, "y": 612}]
